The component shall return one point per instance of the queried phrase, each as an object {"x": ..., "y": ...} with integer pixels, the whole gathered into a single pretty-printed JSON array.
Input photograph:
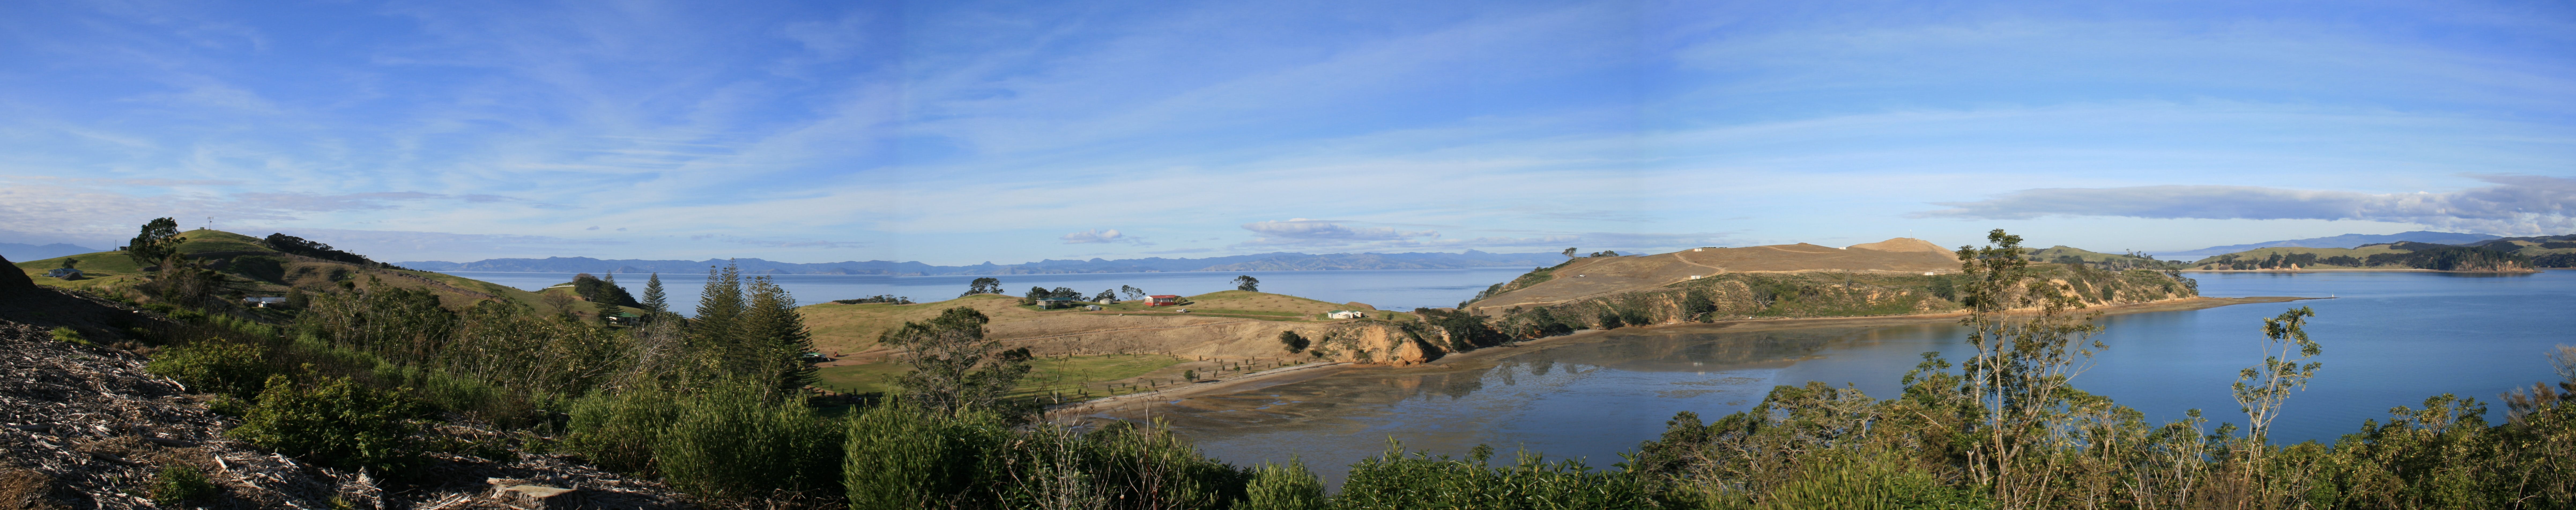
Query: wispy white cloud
[
  {"x": 2515, "y": 205},
  {"x": 1102, "y": 236}
]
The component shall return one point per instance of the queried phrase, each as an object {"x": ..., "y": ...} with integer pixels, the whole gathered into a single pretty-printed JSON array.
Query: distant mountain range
[
  {"x": 1280, "y": 261},
  {"x": 24, "y": 252},
  {"x": 2341, "y": 241}
]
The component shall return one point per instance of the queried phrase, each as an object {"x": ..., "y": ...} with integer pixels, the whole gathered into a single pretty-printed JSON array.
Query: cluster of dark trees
[
  {"x": 881, "y": 298},
  {"x": 308, "y": 248},
  {"x": 983, "y": 286},
  {"x": 2449, "y": 258},
  {"x": 1037, "y": 293},
  {"x": 2415, "y": 255},
  {"x": 605, "y": 291},
  {"x": 2281, "y": 261},
  {"x": 158, "y": 240}
]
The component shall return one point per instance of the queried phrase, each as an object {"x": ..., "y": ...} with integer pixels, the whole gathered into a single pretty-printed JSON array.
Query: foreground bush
[
  {"x": 903, "y": 456},
  {"x": 336, "y": 423},
  {"x": 1396, "y": 480},
  {"x": 234, "y": 369},
  {"x": 727, "y": 444},
  {"x": 618, "y": 432},
  {"x": 723, "y": 443}
]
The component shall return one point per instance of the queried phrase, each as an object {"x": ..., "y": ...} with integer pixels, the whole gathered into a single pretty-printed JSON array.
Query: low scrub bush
[
  {"x": 617, "y": 432},
  {"x": 1284, "y": 487},
  {"x": 903, "y": 456},
  {"x": 336, "y": 423},
  {"x": 1420, "y": 481},
  {"x": 233, "y": 369},
  {"x": 729, "y": 445},
  {"x": 179, "y": 484},
  {"x": 69, "y": 336}
]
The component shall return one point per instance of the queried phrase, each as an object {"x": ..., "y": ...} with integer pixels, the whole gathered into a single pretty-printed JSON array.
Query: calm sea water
[
  {"x": 2390, "y": 339},
  {"x": 1389, "y": 290}
]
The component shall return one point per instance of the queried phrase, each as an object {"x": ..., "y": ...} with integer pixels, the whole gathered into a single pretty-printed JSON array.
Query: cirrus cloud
[
  {"x": 2514, "y": 205},
  {"x": 1301, "y": 231}
]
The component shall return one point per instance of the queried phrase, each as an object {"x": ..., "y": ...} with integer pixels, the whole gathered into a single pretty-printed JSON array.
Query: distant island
[
  {"x": 2341, "y": 241},
  {"x": 1277, "y": 261},
  {"x": 2505, "y": 255}
]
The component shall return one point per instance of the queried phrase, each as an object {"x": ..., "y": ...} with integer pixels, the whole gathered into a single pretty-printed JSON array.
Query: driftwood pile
[{"x": 86, "y": 427}]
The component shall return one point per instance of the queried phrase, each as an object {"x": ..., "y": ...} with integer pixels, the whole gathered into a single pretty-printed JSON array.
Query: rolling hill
[{"x": 252, "y": 268}]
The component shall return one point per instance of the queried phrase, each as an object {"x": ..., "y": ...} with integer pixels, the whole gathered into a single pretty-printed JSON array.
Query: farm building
[
  {"x": 1162, "y": 300},
  {"x": 264, "y": 301},
  {"x": 1347, "y": 314},
  {"x": 64, "y": 273},
  {"x": 1055, "y": 302}
]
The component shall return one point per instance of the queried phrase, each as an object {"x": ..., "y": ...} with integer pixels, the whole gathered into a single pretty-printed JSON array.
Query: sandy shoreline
[{"x": 1286, "y": 375}]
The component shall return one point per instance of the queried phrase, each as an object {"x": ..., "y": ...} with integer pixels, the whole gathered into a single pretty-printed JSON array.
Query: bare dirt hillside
[{"x": 1600, "y": 276}]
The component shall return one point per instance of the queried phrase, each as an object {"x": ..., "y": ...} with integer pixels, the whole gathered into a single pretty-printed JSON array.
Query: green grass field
[{"x": 1065, "y": 375}]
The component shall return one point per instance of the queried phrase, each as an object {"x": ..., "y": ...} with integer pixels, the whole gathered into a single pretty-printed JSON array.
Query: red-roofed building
[{"x": 1162, "y": 300}]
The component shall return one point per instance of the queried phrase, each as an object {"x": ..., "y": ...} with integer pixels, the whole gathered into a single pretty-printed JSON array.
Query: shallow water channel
[{"x": 2391, "y": 339}]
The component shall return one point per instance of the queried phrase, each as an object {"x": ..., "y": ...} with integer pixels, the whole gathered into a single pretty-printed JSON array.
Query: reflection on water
[
  {"x": 1590, "y": 400},
  {"x": 2390, "y": 339}
]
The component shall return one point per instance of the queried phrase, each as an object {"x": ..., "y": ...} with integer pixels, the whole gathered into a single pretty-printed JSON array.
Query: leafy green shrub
[
  {"x": 336, "y": 423},
  {"x": 1288, "y": 487},
  {"x": 899, "y": 456},
  {"x": 1836, "y": 479},
  {"x": 617, "y": 432},
  {"x": 226, "y": 368},
  {"x": 902, "y": 456},
  {"x": 179, "y": 484},
  {"x": 1397, "y": 480},
  {"x": 69, "y": 336},
  {"x": 729, "y": 445}
]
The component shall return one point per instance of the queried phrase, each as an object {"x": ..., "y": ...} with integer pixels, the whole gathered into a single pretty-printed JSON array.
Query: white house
[
  {"x": 1347, "y": 314},
  {"x": 264, "y": 301}
]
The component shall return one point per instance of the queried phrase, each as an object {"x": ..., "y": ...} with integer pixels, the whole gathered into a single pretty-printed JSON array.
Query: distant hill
[
  {"x": 2061, "y": 254},
  {"x": 2545, "y": 251},
  {"x": 2401, "y": 255},
  {"x": 1280, "y": 261},
  {"x": 253, "y": 268},
  {"x": 15, "y": 251},
  {"x": 1894, "y": 277},
  {"x": 2341, "y": 241}
]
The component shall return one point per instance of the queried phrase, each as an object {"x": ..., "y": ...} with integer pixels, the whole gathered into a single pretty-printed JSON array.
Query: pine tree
[
  {"x": 778, "y": 339},
  {"x": 713, "y": 335},
  {"x": 654, "y": 300}
]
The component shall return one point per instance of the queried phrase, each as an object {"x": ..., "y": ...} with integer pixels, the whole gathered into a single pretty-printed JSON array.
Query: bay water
[{"x": 2390, "y": 339}]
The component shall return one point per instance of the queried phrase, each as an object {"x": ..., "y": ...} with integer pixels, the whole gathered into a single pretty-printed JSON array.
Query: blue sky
[{"x": 963, "y": 132}]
